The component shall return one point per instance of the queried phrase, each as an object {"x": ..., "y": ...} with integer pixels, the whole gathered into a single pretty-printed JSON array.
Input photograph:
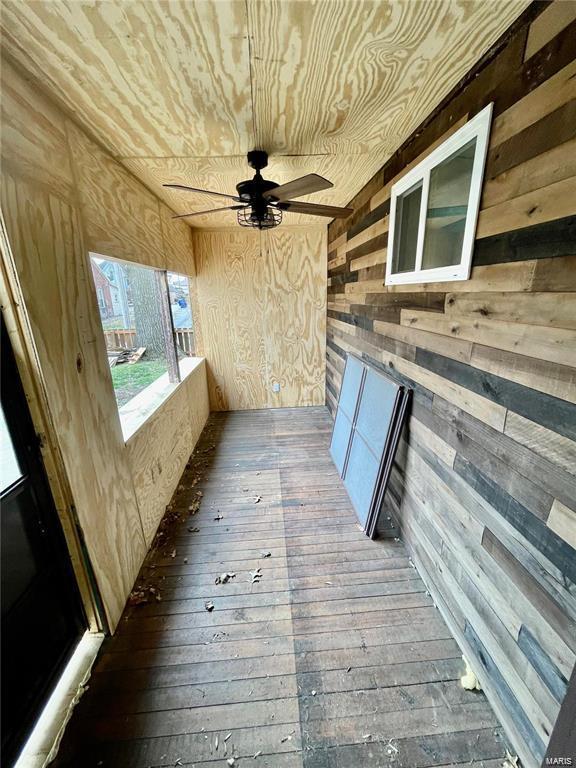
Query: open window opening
[
  {"x": 146, "y": 318},
  {"x": 434, "y": 209}
]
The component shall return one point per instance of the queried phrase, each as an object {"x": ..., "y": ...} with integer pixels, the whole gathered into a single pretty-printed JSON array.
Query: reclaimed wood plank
[
  {"x": 554, "y": 201},
  {"x": 557, "y": 345},
  {"x": 557, "y": 310}
]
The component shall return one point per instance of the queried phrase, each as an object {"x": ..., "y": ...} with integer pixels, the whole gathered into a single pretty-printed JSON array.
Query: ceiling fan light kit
[
  {"x": 262, "y": 202},
  {"x": 269, "y": 219}
]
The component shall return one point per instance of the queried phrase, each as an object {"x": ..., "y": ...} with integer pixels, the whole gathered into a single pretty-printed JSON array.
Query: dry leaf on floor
[
  {"x": 173, "y": 553},
  {"x": 257, "y": 754}
]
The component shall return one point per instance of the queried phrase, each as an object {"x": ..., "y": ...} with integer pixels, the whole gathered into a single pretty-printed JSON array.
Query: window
[
  {"x": 434, "y": 209},
  {"x": 147, "y": 323},
  {"x": 181, "y": 309}
]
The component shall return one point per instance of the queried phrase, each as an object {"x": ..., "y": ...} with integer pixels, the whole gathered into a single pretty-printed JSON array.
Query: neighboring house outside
[{"x": 106, "y": 292}]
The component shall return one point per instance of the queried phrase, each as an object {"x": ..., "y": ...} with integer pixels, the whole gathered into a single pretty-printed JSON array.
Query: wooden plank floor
[{"x": 335, "y": 658}]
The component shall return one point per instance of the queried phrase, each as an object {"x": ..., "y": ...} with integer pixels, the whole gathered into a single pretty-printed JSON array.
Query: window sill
[
  {"x": 432, "y": 275},
  {"x": 135, "y": 414}
]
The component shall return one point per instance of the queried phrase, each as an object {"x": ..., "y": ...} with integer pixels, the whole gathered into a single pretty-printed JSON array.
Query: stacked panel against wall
[
  {"x": 484, "y": 484},
  {"x": 367, "y": 427}
]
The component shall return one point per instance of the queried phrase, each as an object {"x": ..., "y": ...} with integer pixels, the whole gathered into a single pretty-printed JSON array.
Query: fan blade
[
  {"x": 302, "y": 186},
  {"x": 202, "y": 191},
  {"x": 332, "y": 211},
  {"x": 212, "y": 210}
]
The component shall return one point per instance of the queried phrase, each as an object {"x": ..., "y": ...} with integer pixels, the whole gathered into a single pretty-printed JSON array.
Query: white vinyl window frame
[{"x": 478, "y": 128}]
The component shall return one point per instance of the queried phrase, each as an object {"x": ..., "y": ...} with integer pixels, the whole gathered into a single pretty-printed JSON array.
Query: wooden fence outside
[
  {"x": 185, "y": 340},
  {"x": 126, "y": 339}
]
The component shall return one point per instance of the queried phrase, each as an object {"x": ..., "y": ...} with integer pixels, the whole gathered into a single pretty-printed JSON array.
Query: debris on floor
[
  {"x": 209, "y": 605},
  {"x": 224, "y": 578},
  {"x": 256, "y": 575},
  {"x": 511, "y": 761},
  {"x": 219, "y": 517},
  {"x": 265, "y": 554},
  {"x": 469, "y": 681},
  {"x": 391, "y": 749},
  {"x": 257, "y": 499},
  {"x": 141, "y": 595}
]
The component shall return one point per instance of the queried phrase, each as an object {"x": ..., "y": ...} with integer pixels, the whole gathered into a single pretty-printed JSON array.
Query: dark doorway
[{"x": 42, "y": 617}]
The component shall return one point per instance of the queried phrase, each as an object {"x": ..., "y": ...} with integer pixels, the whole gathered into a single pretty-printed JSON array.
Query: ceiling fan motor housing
[{"x": 251, "y": 191}]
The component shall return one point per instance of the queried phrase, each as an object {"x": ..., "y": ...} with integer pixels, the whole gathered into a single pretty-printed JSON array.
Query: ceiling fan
[{"x": 260, "y": 203}]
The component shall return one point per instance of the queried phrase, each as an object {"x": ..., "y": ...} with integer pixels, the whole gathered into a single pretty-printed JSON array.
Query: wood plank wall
[
  {"x": 63, "y": 196},
  {"x": 262, "y": 305},
  {"x": 484, "y": 486}
]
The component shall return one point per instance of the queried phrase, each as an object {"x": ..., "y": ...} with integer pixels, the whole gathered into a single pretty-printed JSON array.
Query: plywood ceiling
[{"x": 180, "y": 90}]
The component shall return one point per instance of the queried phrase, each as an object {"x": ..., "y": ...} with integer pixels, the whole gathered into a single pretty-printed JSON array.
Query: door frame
[{"x": 27, "y": 361}]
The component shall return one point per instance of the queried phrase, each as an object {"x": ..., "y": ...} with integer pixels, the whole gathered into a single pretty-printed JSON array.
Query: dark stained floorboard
[{"x": 336, "y": 658}]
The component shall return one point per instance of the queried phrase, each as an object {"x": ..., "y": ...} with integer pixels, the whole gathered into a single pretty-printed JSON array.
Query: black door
[{"x": 42, "y": 618}]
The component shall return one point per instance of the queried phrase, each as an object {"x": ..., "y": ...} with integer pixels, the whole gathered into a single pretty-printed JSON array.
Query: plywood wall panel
[
  {"x": 34, "y": 145},
  {"x": 177, "y": 242},
  {"x": 121, "y": 218},
  {"x": 493, "y": 372},
  {"x": 230, "y": 281},
  {"x": 45, "y": 234},
  {"x": 295, "y": 315},
  {"x": 158, "y": 452},
  {"x": 262, "y": 311}
]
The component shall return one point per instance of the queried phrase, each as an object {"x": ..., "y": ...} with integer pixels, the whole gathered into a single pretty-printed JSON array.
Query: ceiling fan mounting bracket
[{"x": 257, "y": 159}]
